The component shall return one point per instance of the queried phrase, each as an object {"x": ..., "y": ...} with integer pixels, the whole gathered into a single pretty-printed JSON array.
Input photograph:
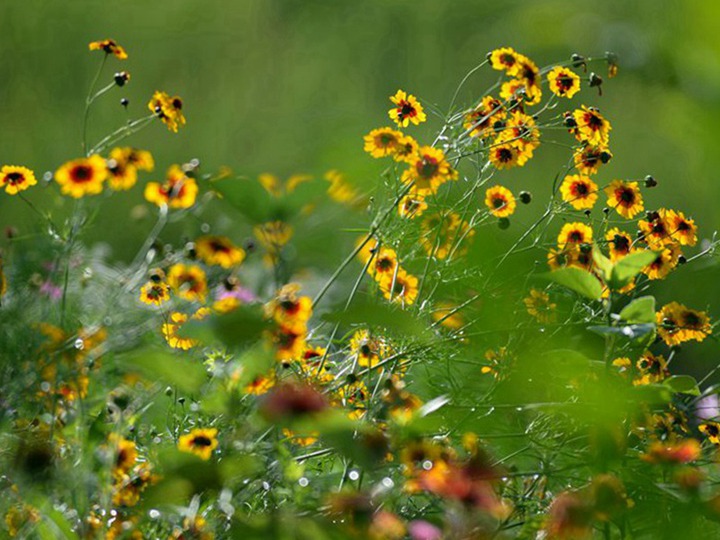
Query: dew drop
[
  {"x": 387, "y": 482},
  {"x": 79, "y": 344},
  {"x": 303, "y": 482},
  {"x": 45, "y": 386},
  {"x": 205, "y": 228},
  {"x": 427, "y": 465},
  {"x": 353, "y": 475},
  {"x": 266, "y": 486},
  {"x": 154, "y": 514}
]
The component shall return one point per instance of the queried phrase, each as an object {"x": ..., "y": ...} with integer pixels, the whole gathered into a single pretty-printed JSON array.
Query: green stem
[{"x": 88, "y": 102}]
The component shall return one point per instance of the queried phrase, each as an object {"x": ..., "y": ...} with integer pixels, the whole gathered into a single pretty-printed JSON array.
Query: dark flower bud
[
  {"x": 650, "y": 182},
  {"x": 249, "y": 245},
  {"x": 190, "y": 251},
  {"x": 606, "y": 210},
  {"x": 156, "y": 275},
  {"x": 525, "y": 197},
  {"x": 122, "y": 78},
  {"x": 169, "y": 391},
  {"x": 682, "y": 259},
  {"x": 181, "y": 401},
  {"x": 503, "y": 223},
  {"x": 569, "y": 121},
  {"x": 596, "y": 81},
  {"x": 605, "y": 156},
  {"x": 587, "y": 213},
  {"x": 351, "y": 378},
  {"x": 578, "y": 60},
  {"x": 124, "y": 102}
]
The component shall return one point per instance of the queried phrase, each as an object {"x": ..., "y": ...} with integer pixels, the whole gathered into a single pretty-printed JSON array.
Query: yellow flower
[
  {"x": 406, "y": 149},
  {"x": 575, "y": 234},
  {"x": 677, "y": 324},
  {"x": 401, "y": 288},
  {"x": 619, "y": 243},
  {"x": 175, "y": 322},
  {"x": 125, "y": 453},
  {"x": 591, "y": 126},
  {"x": 340, "y": 190},
  {"x": 503, "y": 154},
  {"x": 518, "y": 89},
  {"x": 200, "y": 442},
  {"x": 663, "y": 264},
  {"x": 656, "y": 230},
  {"x": 412, "y": 205},
  {"x": 188, "y": 282},
  {"x": 521, "y": 131},
  {"x": 579, "y": 191},
  {"x": 367, "y": 349},
  {"x": 261, "y": 384},
  {"x": 142, "y": 160},
  {"x": 289, "y": 310},
  {"x": 588, "y": 158},
  {"x": 382, "y": 142},
  {"x": 681, "y": 228},
  {"x": 273, "y": 236},
  {"x": 711, "y": 430},
  {"x": 110, "y": 46},
  {"x": 219, "y": 250},
  {"x": 407, "y": 109},
  {"x": 178, "y": 190},
  {"x": 168, "y": 109},
  {"x": 500, "y": 201},
  {"x": 80, "y": 177},
  {"x": 154, "y": 293},
  {"x": 121, "y": 176},
  {"x": 428, "y": 170},
  {"x": 444, "y": 234},
  {"x": 563, "y": 82},
  {"x": 505, "y": 59},
  {"x": 481, "y": 121},
  {"x": 538, "y": 305},
  {"x": 15, "y": 179},
  {"x": 448, "y": 315},
  {"x": 625, "y": 198},
  {"x": 383, "y": 263}
]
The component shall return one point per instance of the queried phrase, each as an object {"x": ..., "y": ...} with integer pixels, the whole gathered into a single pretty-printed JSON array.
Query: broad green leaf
[
  {"x": 238, "y": 328},
  {"x": 166, "y": 367},
  {"x": 628, "y": 267},
  {"x": 640, "y": 310},
  {"x": 684, "y": 384},
  {"x": 603, "y": 263},
  {"x": 578, "y": 280}
]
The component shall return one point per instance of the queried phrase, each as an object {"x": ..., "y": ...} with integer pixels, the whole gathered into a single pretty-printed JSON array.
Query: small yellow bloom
[
  {"x": 407, "y": 109},
  {"x": 175, "y": 321},
  {"x": 401, "y": 288},
  {"x": 563, "y": 82},
  {"x": 168, "y": 109},
  {"x": 15, "y": 179},
  {"x": 84, "y": 176},
  {"x": 188, "y": 282},
  {"x": 481, "y": 121},
  {"x": 677, "y": 324},
  {"x": 200, "y": 442},
  {"x": 110, "y": 46},
  {"x": 588, "y": 158},
  {"x": 505, "y": 59},
  {"x": 500, "y": 201},
  {"x": 538, "y": 305},
  {"x": 382, "y": 142},
  {"x": 625, "y": 198},
  {"x": 219, "y": 250},
  {"x": 156, "y": 293},
  {"x": 428, "y": 170},
  {"x": 178, "y": 190},
  {"x": 125, "y": 453},
  {"x": 579, "y": 191},
  {"x": 591, "y": 126},
  {"x": 575, "y": 234},
  {"x": 142, "y": 160}
]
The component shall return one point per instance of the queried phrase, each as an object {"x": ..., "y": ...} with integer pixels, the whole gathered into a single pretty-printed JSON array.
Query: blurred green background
[{"x": 292, "y": 86}]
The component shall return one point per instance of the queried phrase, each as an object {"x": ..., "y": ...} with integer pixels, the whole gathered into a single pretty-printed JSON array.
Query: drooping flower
[
  {"x": 219, "y": 250},
  {"x": 200, "y": 441},
  {"x": 538, "y": 305},
  {"x": 80, "y": 177},
  {"x": 677, "y": 324},
  {"x": 168, "y": 109},
  {"x": 156, "y": 293},
  {"x": 428, "y": 170},
  {"x": 178, "y": 191},
  {"x": 625, "y": 198},
  {"x": 563, "y": 82},
  {"x": 579, "y": 191},
  {"x": 382, "y": 142},
  {"x": 575, "y": 234},
  {"x": 591, "y": 126},
  {"x": 15, "y": 179},
  {"x": 407, "y": 109},
  {"x": 188, "y": 282},
  {"x": 110, "y": 46},
  {"x": 500, "y": 201},
  {"x": 588, "y": 158}
]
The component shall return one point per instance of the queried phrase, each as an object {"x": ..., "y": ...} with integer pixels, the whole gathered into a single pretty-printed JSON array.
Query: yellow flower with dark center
[
  {"x": 428, "y": 170},
  {"x": 503, "y": 154},
  {"x": 521, "y": 131},
  {"x": 588, "y": 158},
  {"x": 156, "y": 293},
  {"x": 406, "y": 150},
  {"x": 519, "y": 89},
  {"x": 575, "y": 234},
  {"x": 500, "y": 201},
  {"x": 219, "y": 250},
  {"x": 354, "y": 396},
  {"x": 273, "y": 235},
  {"x": 367, "y": 349},
  {"x": 619, "y": 243},
  {"x": 261, "y": 384},
  {"x": 651, "y": 369},
  {"x": 200, "y": 441},
  {"x": 188, "y": 282},
  {"x": 277, "y": 187},
  {"x": 121, "y": 175},
  {"x": 340, "y": 190},
  {"x": 681, "y": 228},
  {"x": 382, "y": 142},
  {"x": 499, "y": 360},
  {"x": 579, "y": 256},
  {"x": 178, "y": 190},
  {"x": 80, "y": 177},
  {"x": 168, "y": 109},
  {"x": 625, "y": 198},
  {"x": 175, "y": 321},
  {"x": 407, "y": 109},
  {"x": 110, "y": 46},
  {"x": 290, "y": 310},
  {"x": 579, "y": 191},
  {"x": 289, "y": 341},
  {"x": 558, "y": 258},
  {"x": 481, "y": 121},
  {"x": 711, "y": 430},
  {"x": 505, "y": 59},
  {"x": 412, "y": 205},
  {"x": 538, "y": 305},
  {"x": 124, "y": 452},
  {"x": 383, "y": 263},
  {"x": 445, "y": 234},
  {"x": 142, "y": 160},
  {"x": 563, "y": 82},
  {"x": 591, "y": 126},
  {"x": 657, "y": 230},
  {"x": 401, "y": 288},
  {"x": 664, "y": 263},
  {"x": 15, "y": 179},
  {"x": 677, "y": 324}
]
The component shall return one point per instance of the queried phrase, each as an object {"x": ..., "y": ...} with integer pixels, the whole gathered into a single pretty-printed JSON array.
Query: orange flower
[{"x": 110, "y": 46}]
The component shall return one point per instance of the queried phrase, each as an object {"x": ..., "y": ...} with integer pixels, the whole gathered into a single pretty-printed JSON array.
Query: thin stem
[{"x": 88, "y": 102}]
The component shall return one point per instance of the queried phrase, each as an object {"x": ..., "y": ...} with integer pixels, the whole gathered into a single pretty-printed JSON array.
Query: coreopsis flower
[
  {"x": 288, "y": 309},
  {"x": 558, "y": 258},
  {"x": 401, "y": 288},
  {"x": 579, "y": 191},
  {"x": 500, "y": 201},
  {"x": 80, "y": 177},
  {"x": 579, "y": 256},
  {"x": 406, "y": 149},
  {"x": 563, "y": 82},
  {"x": 15, "y": 179},
  {"x": 124, "y": 453},
  {"x": 538, "y": 305},
  {"x": 168, "y": 109},
  {"x": 481, "y": 121},
  {"x": 656, "y": 230},
  {"x": 121, "y": 175},
  {"x": 340, "y": 190},
  {"x": 619, "y": 243},
  {"x": 178, "y": 190},
  {"x": 261, "y": 384},
  {"x": 428, "y": 170},
  {"x": 575, "y": 234},
  {"x": 383, "y": 263},
  {"x": 591, "y": 126},
  {"x": 142, "y": 160},
  {"x": 367, "y": 349},
  {"x": 219, "y": 250},
  {"x": 175, "y": 321},
  {"x": 188, "y": 282},
  {"x": 588, "y": 158},
  {"x": 651, "y": 368},
  {"x": 109, "y": 46},
  {"x": 503, "y": 154},
  {"x": 677, "y": 324},
  {"x": 674, "y": 453},
  {"x": 625, "y": 198},
  {"x": 680, "y": 228},
  {"x": 407, "y": 109},
  {"x": 200, "y": 441},
  {"x": 445, "y": 234},
  {"x": 156, "y": 293},
  {"x": 505, "y": 59},
  {"x": 711, "y": 430},
  {"x": 665, "y": 262},
  {"x": 353, "y": 396},
  {"x": 448, "y": 315},
  {"x": 519, "y": 89},
  {"x": 273, "y": 235},
  {"x": 412, "y": 205},
  {"x": 521, "y": 131},
  {"x": 382, "y": 142}
]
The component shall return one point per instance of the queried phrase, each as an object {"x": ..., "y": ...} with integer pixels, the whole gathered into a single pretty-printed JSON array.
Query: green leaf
[
  {"x": 164, "y": 366},
  {"x": 578, "y": 280},
  {"x": 628, "y": 267},
  {"x": 640, "y": 310},
  {"x": 603, "y": 263},
  {"x": 684, "y": 384},
  {"x": 238, "y": 328}
]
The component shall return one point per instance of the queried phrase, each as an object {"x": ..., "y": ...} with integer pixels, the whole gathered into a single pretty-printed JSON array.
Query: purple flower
[{"x": 424, "y": 530}]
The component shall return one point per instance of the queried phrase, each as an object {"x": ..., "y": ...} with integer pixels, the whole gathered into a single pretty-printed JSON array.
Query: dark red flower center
[
  {"x": 406, "y": 110},
  {"x": 428, "y": 167},
  {"x": 14, "y": 178},
  {"x": 625, "y": 196},
  {"x": 81, "y": 173},
  {"x": 201, "y": 440},
  {"x": 580, "y": 188}
]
